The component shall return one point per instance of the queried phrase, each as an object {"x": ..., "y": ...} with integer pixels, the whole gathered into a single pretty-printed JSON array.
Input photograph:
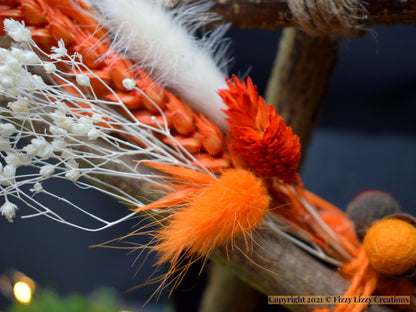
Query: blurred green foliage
[{"x": 103, "y": 300}]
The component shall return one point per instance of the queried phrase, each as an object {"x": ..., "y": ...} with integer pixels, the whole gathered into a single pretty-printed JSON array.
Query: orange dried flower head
[{"x": 259, "y": 138}]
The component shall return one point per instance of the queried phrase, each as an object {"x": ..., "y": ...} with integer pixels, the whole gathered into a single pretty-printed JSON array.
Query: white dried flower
[
  {"x": 60, "y": 51},
  {"x": 71, "y": 164},
  {"x": 30, "y": 58},
  {"x": 37, "y": 188},
  {"x": 8, "y": 210},
  {"x": 62, "y": 121},
  {"x": 9, "y": 175},
  {"x": 81, "y": 129},
  {"x": 57, "y": 131},
  {"x": 93, "y": 134},
  {"x": 73, "y": 174},
  {"x": 21, "y": 105},
  {"x": 47, "y": 171},
  {"x": 7, "y": 82},
  {"x": 33, "y": 83},
  {"x": 15, "y": 53},
  {"x": 17, "y": 31},
  {"x": 129, "y": 84},
  {"x": 39, "y": 147},
  {"x": 17, "y": 159},
  {"x": 5, "y": 145},
  {"x": 7, "y": 129},
  {"x": 12, "y": 61},
  {"x": 96, "y": 118},
  {"x": 49, "y": 68},
  {"x": 83, "y": 80},
  {"x": 59, "y": 144}
]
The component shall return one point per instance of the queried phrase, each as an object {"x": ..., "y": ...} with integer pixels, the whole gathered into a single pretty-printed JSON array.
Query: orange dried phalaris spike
[
  {"x": 8, "y": 12},
  {"x": 212, "y": 137},
  {"x": 214, "y": 164},
  {"x": 43, "y": 38},
  {"x": 91, "y": 50},
  {"x": 155, "y": 97},
  {"x": 121, "y": 69},
  {"x": 60, "y": 27},
  {"x": 181, "y": 115},
  {"x": 132, "y": 100},
  {"x": 150, "y": 118},
  {"x": 11, "y": 2},
  {"x": 34, "y": 12},
  {"x": 96, "y": 81},
  {"x": 191, "y": 144},
  {"x": 72, "y": 9}
]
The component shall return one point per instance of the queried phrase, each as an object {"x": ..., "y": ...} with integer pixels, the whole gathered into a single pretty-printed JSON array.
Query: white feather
[{"x": 162, "y": 41}]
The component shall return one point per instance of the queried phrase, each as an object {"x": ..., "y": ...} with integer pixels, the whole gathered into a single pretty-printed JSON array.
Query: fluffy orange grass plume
[{"x": 207, "y": 213}]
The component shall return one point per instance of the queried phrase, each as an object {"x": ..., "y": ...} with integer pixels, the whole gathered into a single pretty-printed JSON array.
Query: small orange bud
[
  {"x": 181, "y": 115},
  {"x": 33, "y": 12},
  {"x": 212, "y": 138},
  {"x": 390, "y": 245}
]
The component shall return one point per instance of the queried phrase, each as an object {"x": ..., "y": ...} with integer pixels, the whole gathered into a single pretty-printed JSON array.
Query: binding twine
[{"x": 329, "y": 17}]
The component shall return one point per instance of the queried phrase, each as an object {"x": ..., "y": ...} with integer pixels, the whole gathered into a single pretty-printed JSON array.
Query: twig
[
  {"x": 299, "y": 79},
  {"x": 274, "y": 266},
  {"x": 226, "y": 293},
  {"x": 273, "y": 14}
]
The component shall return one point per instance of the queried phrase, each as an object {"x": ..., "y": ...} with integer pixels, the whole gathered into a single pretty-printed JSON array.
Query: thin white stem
[{"x": 317, "y": 252}]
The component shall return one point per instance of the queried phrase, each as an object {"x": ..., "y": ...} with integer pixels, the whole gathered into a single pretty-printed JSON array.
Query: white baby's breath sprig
[
  {"x": 17, "y": 31},
  {"x": 8, "y": 210},
  {"x": 47, "y": 134}
]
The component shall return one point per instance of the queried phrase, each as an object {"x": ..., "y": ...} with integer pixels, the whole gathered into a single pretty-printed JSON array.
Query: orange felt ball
[{"x": 390, "y": 245}]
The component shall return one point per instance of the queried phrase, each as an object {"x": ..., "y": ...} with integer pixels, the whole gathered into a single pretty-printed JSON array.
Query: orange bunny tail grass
[
  {"x": 216, "y": 211},
  {"x": 234, "y": 204},
  {"x": 258, "y": 135}
]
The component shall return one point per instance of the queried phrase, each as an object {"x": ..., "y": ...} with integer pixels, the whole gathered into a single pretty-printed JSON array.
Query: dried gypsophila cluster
[{"x": 57, "y": 124}]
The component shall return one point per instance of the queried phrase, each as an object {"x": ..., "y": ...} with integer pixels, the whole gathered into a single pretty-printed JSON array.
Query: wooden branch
[
  {"x": 226, "y": 293},
  {"x": 274, "y": 266},
  {"x": 273, "y": 14},
  {"x": 299, "y": 79}
]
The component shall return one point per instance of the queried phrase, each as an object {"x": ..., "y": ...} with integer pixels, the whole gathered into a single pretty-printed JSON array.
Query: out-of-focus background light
[
  {"x": 23, "y": 287},
  {"x": 15, "y": 287},
  {"x": 22, "y": 292}
]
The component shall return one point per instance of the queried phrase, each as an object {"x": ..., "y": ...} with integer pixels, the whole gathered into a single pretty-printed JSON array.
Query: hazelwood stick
[
  {"x": 299, "y": 79},
  {"x": 274, "y": 266},
  {"x": 273, "y": 14}
]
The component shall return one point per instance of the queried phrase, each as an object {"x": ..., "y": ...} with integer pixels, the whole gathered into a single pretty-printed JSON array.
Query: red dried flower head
[{"x": 259, "y": 138}]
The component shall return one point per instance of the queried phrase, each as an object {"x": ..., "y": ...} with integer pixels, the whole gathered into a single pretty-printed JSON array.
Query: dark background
[{"x": 365, "y": 139}]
